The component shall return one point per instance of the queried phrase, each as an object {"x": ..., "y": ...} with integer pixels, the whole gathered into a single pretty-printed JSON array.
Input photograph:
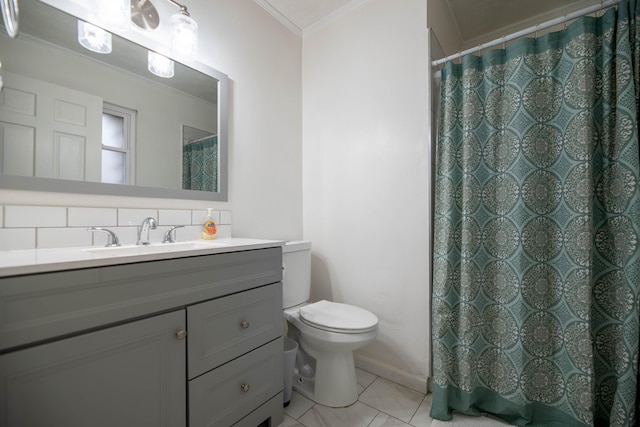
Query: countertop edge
[{"x": 35, "y": 261}]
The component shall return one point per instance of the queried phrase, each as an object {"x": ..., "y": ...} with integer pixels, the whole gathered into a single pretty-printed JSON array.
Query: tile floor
[{"x": 382, "y": 403}]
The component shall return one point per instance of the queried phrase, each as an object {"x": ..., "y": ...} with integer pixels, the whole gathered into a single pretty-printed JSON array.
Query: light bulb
[
  {"x": 160, "y": 65},
  {"x": 115, "y": 14},
  {"x": 184, "y": 36},
  {"x": 94, "y": 38}
]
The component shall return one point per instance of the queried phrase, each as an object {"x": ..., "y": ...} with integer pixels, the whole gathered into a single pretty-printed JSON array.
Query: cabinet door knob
[
  {"x": 181, "y": 334},
  {"x": 244, "y": 324},
  {"x": 245, "y": 388}
]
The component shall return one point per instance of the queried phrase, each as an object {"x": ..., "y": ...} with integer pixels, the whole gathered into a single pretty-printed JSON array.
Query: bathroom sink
[{"x": 154, "y": 248}]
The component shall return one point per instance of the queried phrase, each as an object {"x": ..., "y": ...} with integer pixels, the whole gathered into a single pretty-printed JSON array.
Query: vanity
[{"x": 188, "y": 337}]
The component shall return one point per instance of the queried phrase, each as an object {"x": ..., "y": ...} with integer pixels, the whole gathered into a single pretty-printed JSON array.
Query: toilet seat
[{"x": 337, "y": 317}]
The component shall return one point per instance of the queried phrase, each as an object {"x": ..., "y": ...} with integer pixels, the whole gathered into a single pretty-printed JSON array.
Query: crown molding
[
  {"x": 353, "y": 4},
  {"x": 280, "y": 17}
]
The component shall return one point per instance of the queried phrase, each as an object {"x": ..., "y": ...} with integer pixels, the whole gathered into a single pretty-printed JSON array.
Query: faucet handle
[
  {"x": 112, "y": 239},
  {"x": 168, "y": 236}
]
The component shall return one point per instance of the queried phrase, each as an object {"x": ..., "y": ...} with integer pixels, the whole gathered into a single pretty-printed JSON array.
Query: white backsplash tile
[
  {"x": 63, "y": 237},
  {"x": 34, "y": 216},
  {"x": 198, "y": 217},
  {"x": 17, "y": 238},
  {"x": 174, "y": 217},
  {"x": 223, "y": 231},
  {"x": 93, "y": 217},
  {"x": 126, "y": 235},
  {"x": 129, "y": 217},
  {"x": 225, "y": 217},
  {"x": 192, "y": 232},
  {"x": 31, "y": 227}
]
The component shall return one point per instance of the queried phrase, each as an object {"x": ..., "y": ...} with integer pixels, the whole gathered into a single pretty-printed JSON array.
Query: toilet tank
[{"x": 296, "y": 273}]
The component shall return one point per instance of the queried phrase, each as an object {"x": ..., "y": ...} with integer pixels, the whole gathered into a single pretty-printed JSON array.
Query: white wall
[
  {"x": 263, "y": 62},
  {"x": 447, "y": 35},
  {"x": 366, "y": 176}
]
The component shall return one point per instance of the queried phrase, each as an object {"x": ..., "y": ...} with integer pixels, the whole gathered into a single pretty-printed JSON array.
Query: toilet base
[{"x": 333, "y": 382}]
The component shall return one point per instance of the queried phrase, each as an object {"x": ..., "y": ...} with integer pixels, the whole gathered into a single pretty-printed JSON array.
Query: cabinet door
[
  {"x": 130, "y": 375},
  {"x": 225, "y": 328}
]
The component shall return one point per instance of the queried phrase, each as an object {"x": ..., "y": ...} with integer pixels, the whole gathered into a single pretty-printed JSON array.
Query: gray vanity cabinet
[
  {"x": 127, "y": 375},
  {"x": 194, "y": 341}
]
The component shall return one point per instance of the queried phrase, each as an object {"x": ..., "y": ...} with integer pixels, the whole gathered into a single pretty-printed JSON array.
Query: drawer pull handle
[
  {"x": 182, "y": 334},
  {"x": 245, "y": 388},
  {"x": 244, "y": 324}
]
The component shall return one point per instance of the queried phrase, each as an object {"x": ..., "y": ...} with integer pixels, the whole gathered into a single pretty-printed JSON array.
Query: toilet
[{"x": 327, "y": 333}]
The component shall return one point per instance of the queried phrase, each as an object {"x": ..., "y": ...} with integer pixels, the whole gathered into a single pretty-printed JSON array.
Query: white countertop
[{"x": 20, "y": 262}]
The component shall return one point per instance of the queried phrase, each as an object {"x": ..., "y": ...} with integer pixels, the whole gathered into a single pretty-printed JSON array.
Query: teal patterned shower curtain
[
  {"x": 537, "y": 226},
  {"x": 200, "y": 165}
]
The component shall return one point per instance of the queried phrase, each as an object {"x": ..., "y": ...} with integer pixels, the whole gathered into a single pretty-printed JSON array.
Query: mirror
[{"x": 156, "y": 121}]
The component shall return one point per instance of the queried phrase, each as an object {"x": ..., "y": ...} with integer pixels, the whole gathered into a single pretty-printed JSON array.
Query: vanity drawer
[
  {"x": 227, "y": 394},
  {"x": 225, "y": 328}
]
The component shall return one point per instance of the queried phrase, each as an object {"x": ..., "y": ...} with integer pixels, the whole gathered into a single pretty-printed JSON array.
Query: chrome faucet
[
  {"x": 147, "y": 223},
  {"x": 169, "y": 235},
  {"x": 112, "y": 239}
]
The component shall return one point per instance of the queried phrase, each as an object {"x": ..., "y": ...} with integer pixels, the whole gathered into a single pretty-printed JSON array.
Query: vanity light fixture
[
  {"x": 10, "y": 15},
  {"x": 115, "y": 14},
  {"x": 94, "y": 38},
  {"x": 160, "y": 65},
  {"x": 184, "y": 34},
  {"x": 184, "y": 29}
]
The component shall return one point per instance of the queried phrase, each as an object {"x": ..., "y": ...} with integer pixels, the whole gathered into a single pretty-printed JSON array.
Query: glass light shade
[
  {"x": 115, "y": 14},
  {"x": 93, "y": 38},
  {"x": 184, "y": 36},
  {"x": 160, "y": 65}
]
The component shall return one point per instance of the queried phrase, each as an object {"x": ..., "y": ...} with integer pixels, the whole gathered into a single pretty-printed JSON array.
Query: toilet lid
[{"x": 336, "y": 317}]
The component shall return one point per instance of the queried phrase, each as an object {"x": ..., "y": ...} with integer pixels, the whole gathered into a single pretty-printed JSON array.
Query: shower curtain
[
  {"x": 536, "y": 230},
  {"x": 200, "y": 165}
]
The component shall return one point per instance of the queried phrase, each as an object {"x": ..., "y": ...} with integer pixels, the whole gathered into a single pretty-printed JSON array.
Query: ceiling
[
  {"x": 479, "y": 21},
  {"x": 474, "y": 21},
  {"x": 303, "y": 15}
]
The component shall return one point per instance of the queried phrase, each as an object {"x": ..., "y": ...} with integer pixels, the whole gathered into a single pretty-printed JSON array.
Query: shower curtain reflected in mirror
[
  {"x": 200, "y": 165},
  {"x": 536, "y": 231}
]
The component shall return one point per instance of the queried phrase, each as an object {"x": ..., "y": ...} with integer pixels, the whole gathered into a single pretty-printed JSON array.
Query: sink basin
[{"x": 154, "y": 248}]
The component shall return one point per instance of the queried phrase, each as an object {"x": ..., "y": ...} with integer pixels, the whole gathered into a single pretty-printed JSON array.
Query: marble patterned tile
[
  {"x": 356, "y": 415},
  {"x": 384, "y": 420},
  {"x": 422, "y": 417},
  {"x": 298, "y": 405},
  {"x": 393, "y": 399},
  {"x": 364, "y": 379},
  {"x": 290, "y": 422}
]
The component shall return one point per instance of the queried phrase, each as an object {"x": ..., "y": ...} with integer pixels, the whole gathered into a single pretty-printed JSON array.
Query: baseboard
[{"x": 391, "y": 373}]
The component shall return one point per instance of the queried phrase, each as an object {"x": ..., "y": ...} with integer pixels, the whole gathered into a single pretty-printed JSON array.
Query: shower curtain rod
[
  {"x": 530, "y": 30},
  {"x": 201, "y": 139}
]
